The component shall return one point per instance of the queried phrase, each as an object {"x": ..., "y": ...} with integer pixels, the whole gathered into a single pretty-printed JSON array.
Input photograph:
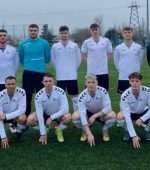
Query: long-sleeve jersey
[
  {"x": 9, "y": 62},
  {"x": 11, "y": 107},
  {"x": 55, "y": 105},
  {"x": 130, "y": 104},
  {"x": 128, "y": 59},
  {"x": 34, "y": 54},
  {"x": 97, "y": 55},
  {"x": 96, "y": 103},
  {"x": 66, "y": 60}
]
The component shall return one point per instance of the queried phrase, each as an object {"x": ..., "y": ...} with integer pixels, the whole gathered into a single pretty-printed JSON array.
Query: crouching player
[
  {"x": 135, "y": 104},
  {"x": 94, "y": 104},
  {"x": 51, "y": 105},
  {"x": 12, "y": 109}
]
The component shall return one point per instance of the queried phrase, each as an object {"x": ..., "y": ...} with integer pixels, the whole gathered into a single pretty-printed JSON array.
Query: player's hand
[
  {"x": 43, "y": 139},
  {"x": 136, "y": 142},
  {"x": 92, "y": 119},
  {"x": 5, "y": 143},
  {"x": 2, "y": 116},
  {"x": 91, "y": 140},
  {"x": 140, "y": 123}
]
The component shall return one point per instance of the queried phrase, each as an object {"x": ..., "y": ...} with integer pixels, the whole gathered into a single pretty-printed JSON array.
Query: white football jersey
[
  {"x": 128, "y": 59},
  {"x": 55, "y": 105},
  {"x": 13, "y": 107},
  {"x": 96, "y": 103},
  {"x": 97, "y": 59},
  {"x": 130, "y": 104},
  {"x": 9, "y": 62},
  {"x": 66, "y": 60}
]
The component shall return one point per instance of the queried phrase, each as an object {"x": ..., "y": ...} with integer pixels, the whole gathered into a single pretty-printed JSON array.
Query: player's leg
[
  {"x": 122, "y": 86},
  {"x": 109, "y": 121},
  {"x": 72, "y": 88},
  {"x": 64, "y": 121},
  {"x": 32, "y": 120},
  {"x": 103, "y": 81},
  {"x": 121, "y": 123},
  {"x": 77, "y": 122},
  {"x": 21, "y": 126}
]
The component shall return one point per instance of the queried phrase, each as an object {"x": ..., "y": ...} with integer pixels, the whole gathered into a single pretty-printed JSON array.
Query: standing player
[
  {"x": 148, "y": 53},
  {"x": 135, "y": 104},
  {"x": 66, "y": 59},
  {"x": 9, "y": 62},
  {"x": 51, "y": 105},
  {"x": 95, "y": 52},
  {"x": 9, "y": 59},
  {"x": 128, "y": 58},
  {"x": 12, "y": 109},
  {"x": 34, "y": 53},
  {"x": 94, "y": 104}
]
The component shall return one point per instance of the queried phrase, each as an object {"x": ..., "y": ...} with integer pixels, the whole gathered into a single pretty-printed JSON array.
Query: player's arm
[
  {"x": 84, "y": 51},
  {"x": 126, "y": 112},
  {"x": 148, "y": 54},
  {"x": 47, "y": 52},
  {"x": 141, "y": 55},
  {"x": 4, "y": 139},
  {"x": 116, "y": 58},
  {"x": 78, "y": 56},
  {"x": 109, "y": 50},
  {"x": 16, "y": 61},
  {"x": 53, "y": 60},
  {"x": 21, "y": 53}
]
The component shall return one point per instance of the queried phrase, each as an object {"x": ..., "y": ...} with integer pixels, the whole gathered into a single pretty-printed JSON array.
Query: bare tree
[{"x": 99, "y": 21}]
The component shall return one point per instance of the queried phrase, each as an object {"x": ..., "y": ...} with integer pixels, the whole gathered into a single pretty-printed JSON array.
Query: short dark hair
[
  {"x": 94, "y": 25},
  {"x": 33, "y": 26},
  {"x": 63, "y": 28},
  {"x": 3, "y": 30},
  {"x": 135, "y": 75},
  {"x": 48, "y": 75},
  {"x": 10, "y": 78},
  {"x": 127, "y": 29}
]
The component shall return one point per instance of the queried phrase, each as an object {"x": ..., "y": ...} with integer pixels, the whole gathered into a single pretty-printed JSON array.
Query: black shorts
[
  {"x": 70, "y": 85},
  {"x": 9, "y": 121},
  {"x": 89, "y": 114},
  {"x": 137, "y": 116},
  {"x": 47, "y": 116},
  {"x": 122, "y": 86},
  {"x": 2, "y": 87},
  {"x": 103, "y": 81}
]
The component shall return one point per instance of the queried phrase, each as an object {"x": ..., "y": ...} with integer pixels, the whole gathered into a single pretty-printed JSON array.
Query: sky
[{"x": 75, "y": 14}]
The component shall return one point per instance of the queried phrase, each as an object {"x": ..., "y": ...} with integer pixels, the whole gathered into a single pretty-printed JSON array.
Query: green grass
[{"x": 73, "y": 154}]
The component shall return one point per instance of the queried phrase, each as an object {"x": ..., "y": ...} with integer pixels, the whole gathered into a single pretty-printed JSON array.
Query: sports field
[{"x": 73, "y": 154}]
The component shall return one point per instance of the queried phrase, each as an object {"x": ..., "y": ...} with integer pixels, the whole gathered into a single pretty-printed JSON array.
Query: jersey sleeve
[
  {"x": 47, "y": 52},
  {"x": 109, "y": 47},
  {"x": 141, "y": 55},
  {"x": 148, "y": 54},
  {"x": 2, "y": 129},
  {"x": 82, "y": 110},
  {"x": 53, "y": 60},
  {"x": 127, "y": 114},
  {"x": 39, "y": 113},
  {"x": 78, "y": 56},
  {"x": 84, "y": 48},
  {"x": 64, "y": 108},
  {"x": 116, "y": 58},
  {"x": 21, "y": 107},
  {"x": 16, "y": 60},
  {"x": 21, "y": 53}
]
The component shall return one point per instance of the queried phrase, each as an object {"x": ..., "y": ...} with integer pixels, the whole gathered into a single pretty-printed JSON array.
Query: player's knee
[
  {"x": 75, "y": 116},
  {"x": 22, "y": 119},
  {"x": 31, "y": 119},
  {"x": 67, "y": 118},
  {"x": 120, "y": 116}
]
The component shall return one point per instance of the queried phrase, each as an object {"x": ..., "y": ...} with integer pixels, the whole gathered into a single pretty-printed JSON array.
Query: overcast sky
[{"x": 75, "y": 14}]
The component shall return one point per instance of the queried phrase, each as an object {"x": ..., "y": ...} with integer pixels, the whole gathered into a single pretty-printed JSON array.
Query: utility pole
[{"x": 147, "y": 29}]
